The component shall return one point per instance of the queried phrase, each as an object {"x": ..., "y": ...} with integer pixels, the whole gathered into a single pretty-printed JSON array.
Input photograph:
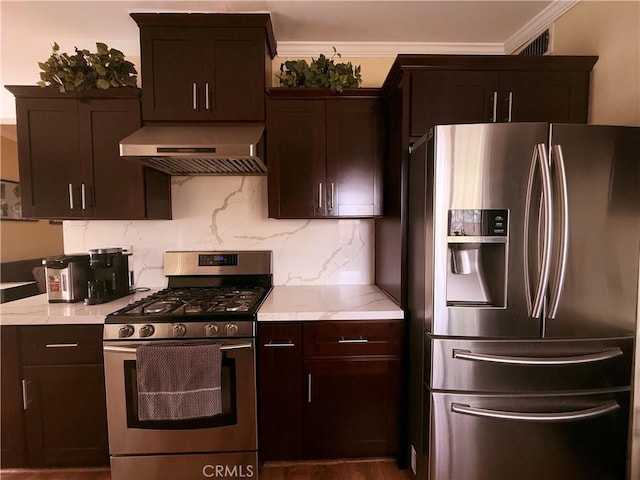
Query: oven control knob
[
  {"x": 179, "y": 330},
  {"x": 146, "y": 330},
  {"x": 211, "y": 330},
  {"x": 125, "y": 331},
  {"x": 231, "y": 329}
]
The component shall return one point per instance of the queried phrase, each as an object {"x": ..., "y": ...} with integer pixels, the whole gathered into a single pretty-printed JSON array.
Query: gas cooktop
[
  {"x": 209, "y": 294},
  {"x": 195, "y": 301}
]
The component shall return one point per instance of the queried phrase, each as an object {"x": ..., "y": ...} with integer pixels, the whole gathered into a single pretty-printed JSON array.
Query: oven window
[{"x": 227, "y": 417}]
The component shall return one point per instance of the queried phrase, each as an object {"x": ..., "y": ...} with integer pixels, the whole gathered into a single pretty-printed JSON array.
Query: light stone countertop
[
  {"x": 8, "y": 285},
  {"x": 37, "y": 310},
  {"x": 321, "y": 302},
  {"x": 328, "y": 302}
]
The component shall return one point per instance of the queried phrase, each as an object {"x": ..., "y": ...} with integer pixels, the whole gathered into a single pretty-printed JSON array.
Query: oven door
[{"x": 232, "y": 430}]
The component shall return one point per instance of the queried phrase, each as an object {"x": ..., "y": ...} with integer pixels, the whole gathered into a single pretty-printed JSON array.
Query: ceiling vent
[{"x": 541, "y": 45}]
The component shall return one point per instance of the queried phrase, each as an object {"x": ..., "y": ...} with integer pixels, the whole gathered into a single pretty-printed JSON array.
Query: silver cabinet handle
[
  {"x": 83, "y": 196},
  {"x": 510, "y": 360},
  {"x": 194, "y": 95},
  {"x": 25, "y": 394},
  {"x": 320, "y": 195},
  {"x": 61, "y": 345},
  {"x": 331, "y": 195},
  {"x": 561, "y": 269},
  {"x": 509, "y": 118},
  {"x": 353, "y": 340},
  {"x": 71, "y": 196},
  {"x": 309, "y": 388},
  {"x": 207, "y": 100},
  {"x": 537, "y": 417},
  {"x": 288, "y": 344},
  {"x": 495, "y": 106}
]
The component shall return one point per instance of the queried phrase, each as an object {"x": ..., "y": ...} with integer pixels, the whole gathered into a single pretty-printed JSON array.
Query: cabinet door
[
  {"x": 234, "y": 74},
  {"x": 280, "y": 391},
  {"x": 171, "y": 73},
  {"x": 296, "y": 151},
  {"x": 49, "y": 159},
  {"x": 117, "y": 186},
  {"x": 66, "y": 419},
  {"x": 351, "y": 407},
  {"x": 457, "y": 96},
  {"x": 355, "y": 147},
  {"x": 539, "y": 96},
  {"x": 11, "y": 420}
]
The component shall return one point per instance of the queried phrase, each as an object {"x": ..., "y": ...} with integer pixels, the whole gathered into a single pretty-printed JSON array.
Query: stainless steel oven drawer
[{"x": 185, "y": 467}]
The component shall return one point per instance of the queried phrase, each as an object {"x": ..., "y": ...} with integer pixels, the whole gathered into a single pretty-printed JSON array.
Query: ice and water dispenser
[{"x": 477, "y": 243}]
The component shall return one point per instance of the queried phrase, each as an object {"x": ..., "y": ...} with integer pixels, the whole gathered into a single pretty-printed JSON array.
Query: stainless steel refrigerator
[{"x": 523, "y": 248}]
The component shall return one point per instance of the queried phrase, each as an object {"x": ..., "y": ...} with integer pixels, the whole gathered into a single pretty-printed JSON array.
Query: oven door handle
[{"x": 109, "y": 348}]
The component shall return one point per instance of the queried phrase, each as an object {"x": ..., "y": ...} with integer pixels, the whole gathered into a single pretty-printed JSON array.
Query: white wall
[{"x": 611, "y": 30}]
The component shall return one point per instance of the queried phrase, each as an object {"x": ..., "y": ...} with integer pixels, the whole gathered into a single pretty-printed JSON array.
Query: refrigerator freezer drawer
[
  {"x": 529, "y": 366},
  {"x": 533, "y": 437}
]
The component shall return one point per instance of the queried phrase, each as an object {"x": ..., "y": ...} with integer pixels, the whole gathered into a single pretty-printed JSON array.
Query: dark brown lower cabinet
[
  {"x": 53, "y": 397},
  {"x": 12, "y": 441},
  {"x": 280, "y": 389},
  {"x": 65, "y": 418},
  {"x": 351, "y": 407},
  {"x": 329, "y": 389}
]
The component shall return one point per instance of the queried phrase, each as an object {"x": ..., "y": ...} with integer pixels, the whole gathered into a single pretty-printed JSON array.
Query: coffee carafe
[{"x": 109, "y": 275}]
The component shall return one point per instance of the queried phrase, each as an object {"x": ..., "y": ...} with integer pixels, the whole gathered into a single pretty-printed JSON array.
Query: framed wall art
[{"x": 10, "y": 207}]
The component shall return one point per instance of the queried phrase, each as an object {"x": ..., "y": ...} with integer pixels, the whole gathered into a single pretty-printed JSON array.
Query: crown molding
[
  {"x": 538, "y": 24},
  {"x": 532, "y": 29},
  {"x": 385, "y": 49}
]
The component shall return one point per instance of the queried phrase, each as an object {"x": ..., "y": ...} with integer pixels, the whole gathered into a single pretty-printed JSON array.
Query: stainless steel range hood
[{"x": 198, "y": 150}]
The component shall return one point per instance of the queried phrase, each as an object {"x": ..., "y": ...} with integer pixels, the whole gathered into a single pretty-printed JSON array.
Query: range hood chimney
[{"x": 198, "y": 149}]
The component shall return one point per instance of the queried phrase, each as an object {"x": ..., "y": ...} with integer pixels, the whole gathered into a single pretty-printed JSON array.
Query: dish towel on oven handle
[{"x": 178, "y": 382}]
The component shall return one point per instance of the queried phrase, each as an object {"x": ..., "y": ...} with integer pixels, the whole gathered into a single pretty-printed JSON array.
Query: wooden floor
[
  {"x": 375, "y": 469},
  {"x": 383, "y": 469}
]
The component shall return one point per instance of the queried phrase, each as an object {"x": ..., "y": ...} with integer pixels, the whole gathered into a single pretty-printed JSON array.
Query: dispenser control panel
[{"x": 478, "y": 222}]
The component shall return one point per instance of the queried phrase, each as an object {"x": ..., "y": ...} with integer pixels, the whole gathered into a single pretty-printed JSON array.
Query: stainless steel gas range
[{"x": 211, "y": 301}]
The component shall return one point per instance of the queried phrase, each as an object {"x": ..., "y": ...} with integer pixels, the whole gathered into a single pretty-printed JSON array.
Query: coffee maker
[
  {"x": 109, "y": 276},
  {"x": 66, "y": 277}
]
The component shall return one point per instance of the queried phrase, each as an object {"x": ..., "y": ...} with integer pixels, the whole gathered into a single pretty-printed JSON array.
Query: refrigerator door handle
[
  {"x": 570, "y": 360},
  {"x": 539, "y": 159},
  {"x": 558, "y": 281},
  {"x": 587, "y": 413}
]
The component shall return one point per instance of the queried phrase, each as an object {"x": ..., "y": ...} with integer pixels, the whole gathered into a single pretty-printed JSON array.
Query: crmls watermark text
[{"x": 228, "y": 471}]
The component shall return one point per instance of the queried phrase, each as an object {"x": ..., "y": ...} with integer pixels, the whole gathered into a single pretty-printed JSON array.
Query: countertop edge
[{"x": 349, "y": 302}]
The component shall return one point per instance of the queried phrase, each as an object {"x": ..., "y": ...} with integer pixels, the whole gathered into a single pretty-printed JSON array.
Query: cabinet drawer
[
  {"x": 278, "y": 335},
  {"x": 61, "y": 344},
  {"x": 358, "y": 337}
]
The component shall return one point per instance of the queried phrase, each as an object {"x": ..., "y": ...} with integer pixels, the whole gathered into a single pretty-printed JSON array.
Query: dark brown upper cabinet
[
  {"x": 69, "y": 160},
  {"x": 205, "y": 67},
  {"x": 461, "y": 89},
  {"x": 426, "y": 90},
  {"x": 325, "y": 153}
]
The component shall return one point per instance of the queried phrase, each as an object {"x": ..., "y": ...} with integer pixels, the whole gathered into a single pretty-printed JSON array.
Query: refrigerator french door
[{"x": 523, "y": 246}]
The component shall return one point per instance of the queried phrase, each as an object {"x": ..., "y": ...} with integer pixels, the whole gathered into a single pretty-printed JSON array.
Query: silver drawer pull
[
  {"x": 353, "y": 340},
  {"x": 288, "y": 344},
  {"x": 587, "y": 413},
  {"x": 571, "y": 360},
  {"x": 61, "y": 345}
]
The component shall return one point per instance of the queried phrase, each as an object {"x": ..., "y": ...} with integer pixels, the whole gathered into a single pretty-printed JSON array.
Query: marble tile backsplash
[{"x": 230, "y": 213}]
